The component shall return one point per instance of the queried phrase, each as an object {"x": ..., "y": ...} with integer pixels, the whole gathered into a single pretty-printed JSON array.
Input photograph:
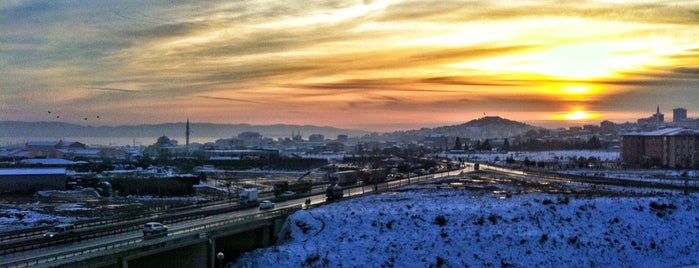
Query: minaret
[{"x": 187, "y": 136}]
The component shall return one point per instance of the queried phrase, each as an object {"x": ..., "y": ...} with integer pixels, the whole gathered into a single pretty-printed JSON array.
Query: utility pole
[{"x": 187, "y": 137}]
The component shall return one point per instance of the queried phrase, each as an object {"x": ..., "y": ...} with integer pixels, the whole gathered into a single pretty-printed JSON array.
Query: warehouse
[{"x": 30, "y": 180}]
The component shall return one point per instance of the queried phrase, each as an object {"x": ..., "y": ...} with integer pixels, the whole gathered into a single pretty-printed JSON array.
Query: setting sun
[{"x": 576, "y": 115}]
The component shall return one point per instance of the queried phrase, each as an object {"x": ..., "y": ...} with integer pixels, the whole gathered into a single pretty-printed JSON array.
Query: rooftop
[
  {"x": 664, "y": 132},
  {"x": 32, "y": 171}
]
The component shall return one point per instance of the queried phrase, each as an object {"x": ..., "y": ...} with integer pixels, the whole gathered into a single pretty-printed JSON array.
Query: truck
[
  {"x": 334, "y": 191},
  {"x": 248, "y": 195},
  {"x": 299, "y": 186},
  {"x": 376, "y": 175},
  {"x": 344, "y": 178}
]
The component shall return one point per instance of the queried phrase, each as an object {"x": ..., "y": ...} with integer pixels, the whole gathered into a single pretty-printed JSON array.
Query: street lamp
[{"x": 220, "y": 256}]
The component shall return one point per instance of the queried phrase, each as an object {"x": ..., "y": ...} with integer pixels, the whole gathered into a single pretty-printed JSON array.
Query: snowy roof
[
  {"x": 239, "y": 151},
  {"x": 42, "y": 143},
  {"x": 47, "y": 161},
  {"x": 81, "y": 151},
  {"x": 32, "y": 171},
  {"x": 14, "y": 152},
  {"x": 665, "y": 132}
]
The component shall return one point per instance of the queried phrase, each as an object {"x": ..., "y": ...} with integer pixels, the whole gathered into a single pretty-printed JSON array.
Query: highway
[{"x": 50, "y": 253}]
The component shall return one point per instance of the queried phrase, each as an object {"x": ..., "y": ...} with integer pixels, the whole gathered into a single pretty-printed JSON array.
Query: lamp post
[{"x": 220, "y": 256}]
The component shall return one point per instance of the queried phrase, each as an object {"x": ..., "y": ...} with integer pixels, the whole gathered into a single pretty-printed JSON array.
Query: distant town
[
  {"x": 649, "y": 142},
  {"x": 58, "y": 192}
]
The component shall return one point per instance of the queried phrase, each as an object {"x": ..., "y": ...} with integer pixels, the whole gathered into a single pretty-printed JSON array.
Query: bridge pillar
[
  {"x": 212, "y": 253},
  {"x": 192, "y": 255},
  {"x": 266, "y": 236}
]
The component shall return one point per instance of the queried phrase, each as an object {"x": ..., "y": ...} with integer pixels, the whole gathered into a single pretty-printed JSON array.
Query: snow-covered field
[
  {"x": 535, "y": 155},
  {"x": 476, "y": 228}
]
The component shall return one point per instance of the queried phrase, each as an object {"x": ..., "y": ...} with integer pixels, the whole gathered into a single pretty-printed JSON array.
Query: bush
[
  {"x": 440, "y": 220},
  {"x": 656, "y": 206},
  {"x": 493, "y": 219},
  {"x": 440, "y": 261}
]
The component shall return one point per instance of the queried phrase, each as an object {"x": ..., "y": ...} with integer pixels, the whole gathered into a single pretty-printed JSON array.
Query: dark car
[{"x": 59, "y": 230}]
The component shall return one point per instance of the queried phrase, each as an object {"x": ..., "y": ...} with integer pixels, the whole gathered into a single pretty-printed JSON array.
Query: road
[{"x": 184, "y": 227}]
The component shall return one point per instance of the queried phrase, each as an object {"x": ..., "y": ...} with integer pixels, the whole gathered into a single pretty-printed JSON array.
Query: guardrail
[
  {"x": 183, "y": 235},
  {"x": 599, "y": 180},
  {"x": 128, "y": 215},
  {"x": 125, "y": 225}
]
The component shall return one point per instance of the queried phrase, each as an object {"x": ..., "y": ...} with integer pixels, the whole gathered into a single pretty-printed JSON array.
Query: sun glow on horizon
[{"x": 577, "y": 115}]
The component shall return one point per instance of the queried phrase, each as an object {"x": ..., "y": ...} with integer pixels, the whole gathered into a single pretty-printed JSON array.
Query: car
[
  {"x": 287, "y": 194},
  {"x": 59, "y": 230},
  {"x": 266, "y": 204},
  {"x": 154, "y": 228}
]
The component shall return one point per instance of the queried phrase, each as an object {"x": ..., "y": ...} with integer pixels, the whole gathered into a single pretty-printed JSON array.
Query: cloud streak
[{"x": 322, "y": 62}]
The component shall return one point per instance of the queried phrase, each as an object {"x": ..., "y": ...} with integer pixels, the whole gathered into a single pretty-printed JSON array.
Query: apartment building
[{"x": 670, "y": 147}]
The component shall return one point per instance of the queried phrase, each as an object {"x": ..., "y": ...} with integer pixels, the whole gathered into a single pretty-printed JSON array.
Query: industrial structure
[{"x": 24, "y": 180}]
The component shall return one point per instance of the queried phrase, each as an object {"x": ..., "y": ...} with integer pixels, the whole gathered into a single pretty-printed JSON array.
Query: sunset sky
[{"x": 372, "y": 65}]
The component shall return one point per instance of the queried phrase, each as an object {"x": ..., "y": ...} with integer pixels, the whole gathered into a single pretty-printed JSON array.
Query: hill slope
[{"x": 458, "y": 228}]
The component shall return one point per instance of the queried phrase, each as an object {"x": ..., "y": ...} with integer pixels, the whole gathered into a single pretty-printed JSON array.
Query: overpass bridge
[
  {"x": 191, "y": 243},
  {"x": 193, "y": 246}
]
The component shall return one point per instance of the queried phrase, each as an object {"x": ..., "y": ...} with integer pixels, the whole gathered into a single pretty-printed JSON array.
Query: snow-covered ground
[
  {"x": 603, "y": 155},
  {"x": 17, "y": 219},
  {"x": 666, "y": 176},
  {"x": 478, "y": 228}
]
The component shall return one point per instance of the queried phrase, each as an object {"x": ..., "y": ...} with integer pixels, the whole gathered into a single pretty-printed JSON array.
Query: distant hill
[
  {"x": 59, "y": 129},
  {"x": 483, "y": 128}
]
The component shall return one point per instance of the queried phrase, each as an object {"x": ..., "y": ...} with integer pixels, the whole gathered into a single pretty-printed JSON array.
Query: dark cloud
[
  {"x": 693, "y": 71},
  {"x": 465, "y": 81},
  {"x": 229, "y": 99},
  {"x": 465, "y": 11},
  {"x": 113, "y": 89},
  {"x": 168, "y": 30},
  {"x": 645, "y": 100},
  {"x": 357, "y": 84}
]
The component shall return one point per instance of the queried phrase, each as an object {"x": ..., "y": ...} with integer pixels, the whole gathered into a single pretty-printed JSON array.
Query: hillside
[
  {"x": 487, "y": 127},
  {"x": 477, "y": 228},
  {"x": 60, "y": 129},
  {"x": 483, "y": 128}
]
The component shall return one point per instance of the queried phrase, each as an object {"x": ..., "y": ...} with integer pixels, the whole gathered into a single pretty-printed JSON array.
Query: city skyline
[{"x": 371, "y": 65}]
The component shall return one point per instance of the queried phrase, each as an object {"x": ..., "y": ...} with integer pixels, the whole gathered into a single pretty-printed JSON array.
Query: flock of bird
[{"x": 58, "y": 116}]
